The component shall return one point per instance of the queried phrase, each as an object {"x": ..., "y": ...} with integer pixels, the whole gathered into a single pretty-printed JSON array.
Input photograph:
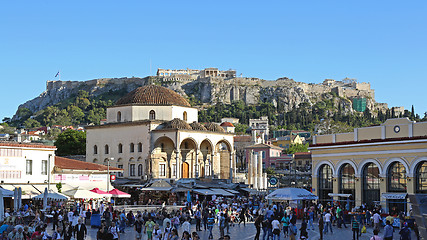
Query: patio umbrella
[
  {"x": 52, "y": 196},
  {"x": 45, "y": 199},
  {"x": 119, "y": 194},
  {"x": 291, "y": 194},
  {"x": 81, "y": 193},
  {"x": 6, "y": 193},
  {"x": 15, "y": 199},
  {"x": 19, "y": 198},
  {"x": 100, "y": 192},
  {"x": 1, "y": 206}
]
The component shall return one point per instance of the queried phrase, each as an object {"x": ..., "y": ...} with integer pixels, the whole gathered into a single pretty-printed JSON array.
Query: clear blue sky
[{"x": 381, "y": 42}]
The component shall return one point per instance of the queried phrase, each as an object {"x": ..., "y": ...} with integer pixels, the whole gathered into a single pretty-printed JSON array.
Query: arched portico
[
  {"x": 163, "y": 152},
  {"x": 188, "y": 150},
  {"x": 206, "y": 151},
  {"x": 223, "y": 149}
]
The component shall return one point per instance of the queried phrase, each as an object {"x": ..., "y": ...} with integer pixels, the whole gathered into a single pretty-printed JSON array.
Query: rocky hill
[{"x": 284, "y": 93}]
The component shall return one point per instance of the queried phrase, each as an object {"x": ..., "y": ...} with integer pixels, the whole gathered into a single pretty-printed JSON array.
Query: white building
[{"x": 153, "y": 132}]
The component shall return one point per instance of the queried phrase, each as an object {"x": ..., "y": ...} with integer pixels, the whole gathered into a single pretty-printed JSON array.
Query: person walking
[
  {"x": 293, "y": 231},
  {"x": 355, "y": 228},
  {"x": 80, "y": 230},
  {"x": 405, "y": 232},
  {"x": 303, "y": 231},
  {"x": 221, "y": 225},
  {"x": 258, "y": 223},
  {"x": 285, "y": 222},
  {"x": 211, "y": 222},
  {"x": 275, "y": 226},
  {"x": 321, "y": 226},
  {"x": 311, "y": 219},
  {"x": 377, "y": 219},
  {"x": 388, "y": 231},
  {"x": 376, "y": 237},
  {"x": 198, "y": 216},
  {"x": 328, "y": 222},
  {"x": 138, "y": 227}
]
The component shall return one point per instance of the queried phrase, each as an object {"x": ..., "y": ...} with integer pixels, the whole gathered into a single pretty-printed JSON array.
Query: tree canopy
[{"x": 71, "y": 142}]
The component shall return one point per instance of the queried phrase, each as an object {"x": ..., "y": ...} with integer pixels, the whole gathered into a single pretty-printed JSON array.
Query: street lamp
[{"x": 108, "y": 173}]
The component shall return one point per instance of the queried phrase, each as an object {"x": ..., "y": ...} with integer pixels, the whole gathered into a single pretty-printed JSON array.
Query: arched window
[
  {"x": 119, "y": 116},
  {"x": 347, "y": 184},
  {"x": 184, "y": 116},
  {"x": 325, "y": 182},
  {"x": 95, "y": 149},
  {"x": 132, "y": 147},
  {"x": 152, "y": 115},
  {"x": 120, "y": 148},
  {"x": 371, "y": 183},
  {"x": 396, "y": 182},
  {"x": 139, "y": 170},
  {"x": 421, "y": 178},
  {"x": 106, "y": 149},
  {"x": 139, "y": 147},
  {"x": 95, "y": 160},
  {"x": 132, "y": 170},
  {"x": 396, "y": 177}
]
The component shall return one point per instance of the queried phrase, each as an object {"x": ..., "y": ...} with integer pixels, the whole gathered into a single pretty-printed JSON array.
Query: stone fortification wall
[{"x": 209, "y": 90}]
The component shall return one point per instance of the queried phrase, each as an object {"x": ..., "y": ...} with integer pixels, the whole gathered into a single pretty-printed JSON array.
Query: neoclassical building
[
  {"x": 153, "y": 132},
  {"x": 376, "y": 165}
]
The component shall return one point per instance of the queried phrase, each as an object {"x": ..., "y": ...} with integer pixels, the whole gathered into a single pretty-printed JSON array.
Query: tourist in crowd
[
  {"x": 388, "y": 231},
  {"x": 275, "y": 226},
  {"x": 355, "y": 228},
  {"x": 328, "y": 222},
  {"x": 405, "y": 232},
  {"x": 321, "y": 226},
  {"x": 138, "y": 227},
  {"x": 377, "y": 221},
  {"x": 376, "y": 237}
]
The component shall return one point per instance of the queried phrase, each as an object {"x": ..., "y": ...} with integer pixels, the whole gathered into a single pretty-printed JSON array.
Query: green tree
[
  {"x": 293, "y": 148},
  {"x": 240, "y": 128},
  {"x": 75, "y": 113},
  {"x": 71, "y": 142},
  {"x": 31, "y": 123},
  {"x": 23, "y": 113}
]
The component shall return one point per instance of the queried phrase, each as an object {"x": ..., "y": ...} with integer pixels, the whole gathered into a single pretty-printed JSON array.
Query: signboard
[
  {"x": 273, "y": 181},
  {"x": 113, "y": 177}
]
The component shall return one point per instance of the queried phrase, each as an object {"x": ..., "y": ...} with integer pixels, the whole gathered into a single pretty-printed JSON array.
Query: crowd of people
[{"x": 275, "y": 221}]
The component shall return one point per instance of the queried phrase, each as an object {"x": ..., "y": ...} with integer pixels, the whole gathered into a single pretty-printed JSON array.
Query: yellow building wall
[
  {"x": 344, "y": 137},
  {"x": 404, "y": 131},
  {"x": 420, "y": 129},
  {"x": 323, "y": 139},
  {"x": 369, "y": 133}
]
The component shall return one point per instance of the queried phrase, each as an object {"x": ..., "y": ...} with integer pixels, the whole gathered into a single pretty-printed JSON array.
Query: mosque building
[{"x": 153, "y": 132}]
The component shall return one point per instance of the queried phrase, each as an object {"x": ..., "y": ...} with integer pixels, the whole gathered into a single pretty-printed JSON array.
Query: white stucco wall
[
  {"x": 136, "y": 113},
  {"x": 13, "y": 168}
]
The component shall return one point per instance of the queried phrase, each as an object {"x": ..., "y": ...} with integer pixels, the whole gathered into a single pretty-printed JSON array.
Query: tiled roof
[
  {"x": 214, "y": 127},
  {"x": 67, "y": 163},
  {"x": 25, "y": 145},
  {"x": 177, "y": 123},
  {"x": 197, "y": 126},
  {"x": 153, "y": 95},
  {"x": 302, "y": 155},
  {"x": 227, "y": 124},
  {"x": 263, "y": 145}
]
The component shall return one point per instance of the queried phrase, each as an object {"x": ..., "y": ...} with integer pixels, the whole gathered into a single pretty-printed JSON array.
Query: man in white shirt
[
  {"x": 275, "y": 225},
  {"x": 328, "y": 217},
  {"x": 377, "y": 219},
  {"x": 186, "y": 226}
]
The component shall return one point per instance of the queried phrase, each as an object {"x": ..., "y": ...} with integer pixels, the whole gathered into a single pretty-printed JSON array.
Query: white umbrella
[
  {"x": 45, "y": 199},
  {"x": 81, "y": 193},
  {"x": 1, "y": 206},
  {"x": 52, "y": 196},
  {"x": 291, "y": 194},
  {"x": 6, "y": 193},
  {"x": 15, "y": 199},
  {"x": 19, "y": 198}
]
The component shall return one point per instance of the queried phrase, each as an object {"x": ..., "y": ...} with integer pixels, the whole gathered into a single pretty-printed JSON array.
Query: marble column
[
  {"x": 178, "y": 165},
  {"x": 212, "y": 165}
]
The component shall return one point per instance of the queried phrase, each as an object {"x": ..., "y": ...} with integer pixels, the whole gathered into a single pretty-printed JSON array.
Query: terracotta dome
[
  {"x": 197, "y": 126},
  {"x": 227, "y": 124},
  {"x": 214, "y": 127},
  {"x": 153, "y": 95},
  {"x": 177, "y": 123}
]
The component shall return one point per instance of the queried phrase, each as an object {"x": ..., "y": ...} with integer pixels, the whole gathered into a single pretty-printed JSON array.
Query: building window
[
  {"x": 119, "y": 116},
  {"x": 325, "y": 182},
  {"x": 95, "y": 149},
  {"x": 139, "y": 147},
  {"x": 184, "y": 116},
  {"x": 106, "y": 149},
  {"x": 173, "y": 170},
  {"x": 140, "y": 170},
  {"x": 421, "y": 178},
  {"x": 132, "y": 170},
  {"x": 152, "y": 115},
  {"x": 120, "y": 174},
  {"x": 371, "y": 184},
  {"x": 29, "y": 167},
  {"x": 263, "y": 154},
  {"x": 397, "y": 178},
  {"x": 95, "y": 160},
  {"x": 162, "y": 170},
  {"x": 120, "y": 148},
  {"x": 132, "y": 147},
  {"x": 44, "y": 167}
]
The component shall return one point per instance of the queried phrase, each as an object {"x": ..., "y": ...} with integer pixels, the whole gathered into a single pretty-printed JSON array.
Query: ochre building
[
  {"x": 376, "y": 165},
  {"x": 153, "y": 132}
]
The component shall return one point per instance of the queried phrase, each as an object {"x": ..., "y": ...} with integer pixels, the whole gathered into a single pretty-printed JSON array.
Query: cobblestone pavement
[{"x": 241, "y": 232}]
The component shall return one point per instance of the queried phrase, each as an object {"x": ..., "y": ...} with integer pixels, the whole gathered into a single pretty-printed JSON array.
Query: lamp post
[{"x": 108, "y": 173}]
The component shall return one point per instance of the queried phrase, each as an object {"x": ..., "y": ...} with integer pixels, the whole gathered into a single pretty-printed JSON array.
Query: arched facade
[
  {"x": 421, "y": 177},
  {"x": 370, "y": 183},
  {"x": 119, "y": 116},
  {"x": 347, "y": 180},
  {"x": 152, "y": 115}
]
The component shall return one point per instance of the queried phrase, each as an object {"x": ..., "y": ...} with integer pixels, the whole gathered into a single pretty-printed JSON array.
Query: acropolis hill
[{"x": 211, "y": 85}]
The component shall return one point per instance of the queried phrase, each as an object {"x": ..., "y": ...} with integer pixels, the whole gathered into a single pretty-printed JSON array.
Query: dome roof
[
  {"x": 177, "y": 123},
  {"x": 214, "y": 127},
  {"x": 227, "y": 124},
  {"x": 197, "y": 126},
  {"x": 153, "y": 95}
]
